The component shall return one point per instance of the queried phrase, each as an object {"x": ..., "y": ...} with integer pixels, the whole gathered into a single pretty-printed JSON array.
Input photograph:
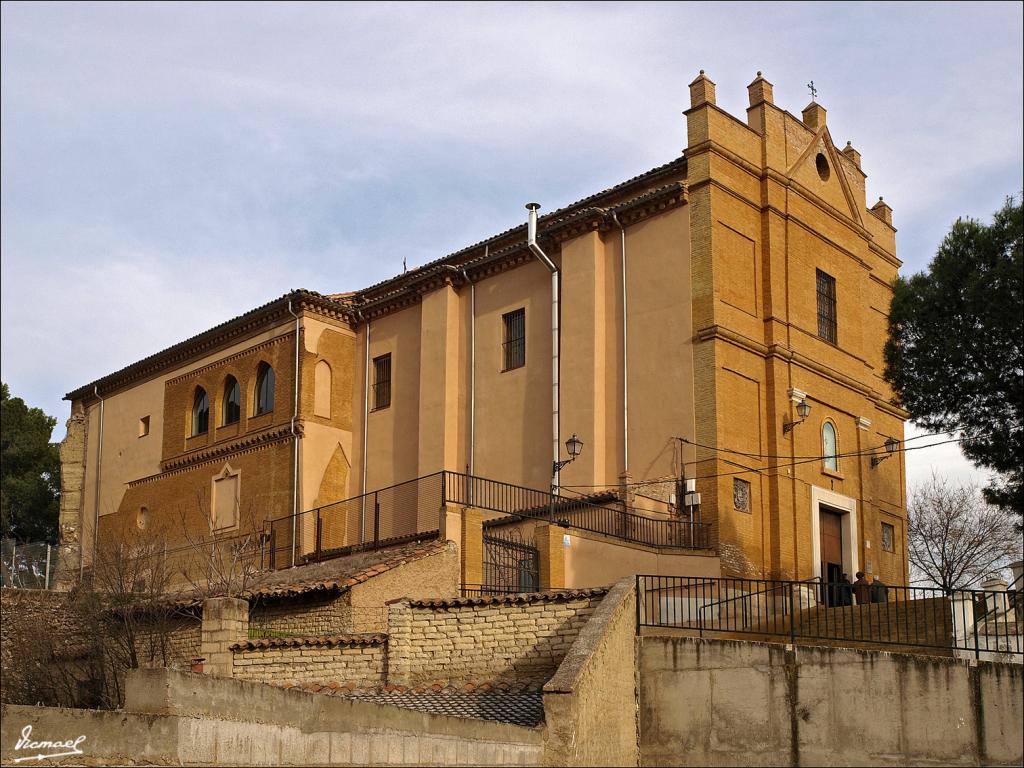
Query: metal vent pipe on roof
[{"x": 535, "y": 249}]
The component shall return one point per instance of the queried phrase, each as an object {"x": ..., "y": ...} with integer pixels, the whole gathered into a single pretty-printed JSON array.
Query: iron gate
[{"x": 510, "y": 564}]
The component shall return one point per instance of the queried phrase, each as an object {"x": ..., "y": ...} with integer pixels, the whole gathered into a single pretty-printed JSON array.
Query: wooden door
[{"x": 831, "y": 528}]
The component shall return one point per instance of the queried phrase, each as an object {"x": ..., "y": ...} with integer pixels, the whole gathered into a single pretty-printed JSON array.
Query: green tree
[
  {"x": 29, "y": 472},
  {"x": 954, "y": 355}
]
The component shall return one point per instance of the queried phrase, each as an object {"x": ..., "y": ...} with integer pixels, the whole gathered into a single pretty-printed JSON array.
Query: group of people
[{"x": 862, "y": 590}]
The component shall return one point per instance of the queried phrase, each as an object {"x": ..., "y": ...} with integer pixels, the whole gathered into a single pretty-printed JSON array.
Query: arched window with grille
[
  {"x": 232, "y": 407},
  {"x": 200, "y": 412},
  {"x": 264, "y": 389},
  {"x": 829, "y": 447}
]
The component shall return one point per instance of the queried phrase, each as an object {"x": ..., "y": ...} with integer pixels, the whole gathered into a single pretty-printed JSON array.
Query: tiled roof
[
  {"x": 526, "y": 709},
  {"x": 555, "y": 596},
  {"x": 209, "y": 339},
  {"x": 325, "y": 641},
  {"x": 343, "y": 573},
  {"x": 457, "y": 257}
]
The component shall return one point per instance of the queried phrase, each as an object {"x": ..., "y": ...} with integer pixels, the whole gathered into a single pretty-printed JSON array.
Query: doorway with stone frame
[{"x": 834, "y": 539}]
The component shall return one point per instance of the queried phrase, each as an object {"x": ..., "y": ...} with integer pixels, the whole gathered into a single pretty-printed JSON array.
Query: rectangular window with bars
[
  {"x": 381, "y": 381},
  {"x": 514, "y": 346},
  {"x": 826, "y": 307}
]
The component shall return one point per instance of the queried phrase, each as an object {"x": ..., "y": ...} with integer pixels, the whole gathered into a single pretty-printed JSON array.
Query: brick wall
[
  {"x": 517, "y": 638},
  {"x": 357, "y": 660}
]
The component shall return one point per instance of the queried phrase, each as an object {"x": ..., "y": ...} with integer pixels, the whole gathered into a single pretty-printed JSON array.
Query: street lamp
[
  {"x": 803, "y": 410},
  {"x": 891, "y": 444},
  {"x": 573, "y": 447}
]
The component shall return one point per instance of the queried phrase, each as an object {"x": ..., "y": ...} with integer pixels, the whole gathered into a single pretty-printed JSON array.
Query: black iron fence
[
  {"x": 399, "y": 513},
  {"x": 412, "y": 509},
  {"x": 968, "y": 621},
  {"x": 510, "y": 564},
  {"x": 613, "y": 520}
]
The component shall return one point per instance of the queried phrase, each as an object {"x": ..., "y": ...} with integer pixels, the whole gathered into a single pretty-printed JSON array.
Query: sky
[{"x": 166, "y": 167}]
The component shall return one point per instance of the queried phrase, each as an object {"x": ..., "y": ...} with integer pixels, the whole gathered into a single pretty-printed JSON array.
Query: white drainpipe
[
  {"x": 295, "y": 440},
  {"x": 472, "y": 368},
  {"x": 625, "y": 353},
  {"x": 366, "y": 426},
  {"x": 531, "y": 243}
]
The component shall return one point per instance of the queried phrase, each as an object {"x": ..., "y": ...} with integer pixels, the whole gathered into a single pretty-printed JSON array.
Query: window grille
[
  {"x": 826, "y": 307},
  {"x": 382, "y": 381},
  {"x": 514, "y": 346}
]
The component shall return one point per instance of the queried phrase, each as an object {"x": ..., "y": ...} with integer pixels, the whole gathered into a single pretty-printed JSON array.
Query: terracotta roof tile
[
  {"x": 323, "y": 641},
  {"x": 343, "y": 573},
  {"x": 561, "y": 595}
]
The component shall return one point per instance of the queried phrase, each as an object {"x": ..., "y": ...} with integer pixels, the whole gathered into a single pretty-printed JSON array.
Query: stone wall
[
  {"x": 45, "y": 646},
  {"x": 725, "y": 702},
  {"x": 521, "y": 638},
  {"x": 356, "y": 660},
  {"x": 590, "y": 703},
  {"x": 172, "y": 642},
  {"x": 313, "y": 615}
]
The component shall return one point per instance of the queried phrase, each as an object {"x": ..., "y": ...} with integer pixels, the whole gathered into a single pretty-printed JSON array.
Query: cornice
[
  {"x": 717, "y": 332},
  {"x": 210, "y": 341},
  {"x": 230, "y": 358},
  {"x": 491, "y": 263},
  {"x": 240, "y": 445}
]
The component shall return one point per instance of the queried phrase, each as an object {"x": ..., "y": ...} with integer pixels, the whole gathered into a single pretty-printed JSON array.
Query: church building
[{"x": 698, "y": 348}]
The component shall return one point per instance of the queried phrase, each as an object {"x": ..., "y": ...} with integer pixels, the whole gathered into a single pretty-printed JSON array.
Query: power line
[{"x": 763, "y": 470}]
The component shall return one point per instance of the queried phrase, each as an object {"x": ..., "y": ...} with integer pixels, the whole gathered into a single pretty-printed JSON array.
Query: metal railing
[
  {"x": 411, "y": 510},
  {"x": 27, "y": 566},
  {"x": 388, "y": 516},
  {"x": 833, "y": 613},
  {"x": 530, "y": 503}
]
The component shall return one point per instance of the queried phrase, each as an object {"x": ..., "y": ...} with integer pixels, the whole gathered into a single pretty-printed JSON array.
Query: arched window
[
  {"x": 232, "y": 400},
  {"x": 264, "y": 389},
  {"x": 200, "y": 412},
  {"x": 829, "y": 447}
]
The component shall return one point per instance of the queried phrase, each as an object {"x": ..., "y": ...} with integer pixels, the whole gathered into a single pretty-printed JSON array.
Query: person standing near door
[{"x": 862, "y": 589}]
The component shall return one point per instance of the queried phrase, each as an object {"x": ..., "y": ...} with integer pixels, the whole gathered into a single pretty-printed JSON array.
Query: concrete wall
[
  {"x": 590, "y": 703},
  {"x": 184, "y": 719},
  {"x": 720, "y": 702},
  {"x": 521, "y": 639},
  {"x": 592, "y": 560}
]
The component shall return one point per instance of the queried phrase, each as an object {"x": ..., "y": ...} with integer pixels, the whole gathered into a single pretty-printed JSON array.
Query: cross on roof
[{"x": 813, "y": 90}]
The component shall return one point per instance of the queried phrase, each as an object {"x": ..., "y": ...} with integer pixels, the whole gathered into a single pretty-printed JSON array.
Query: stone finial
[
  {"x": 702, "y": 91},
  {"x": 852, "y": 153},
  {"x": 814, "y": 116},
  {"x": 882, "y": 210},
  {"x": 760, "y": 91}
]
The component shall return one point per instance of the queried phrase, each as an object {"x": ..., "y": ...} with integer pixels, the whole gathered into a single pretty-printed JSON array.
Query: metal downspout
[
  {"x": 531, "y": 243},
  {"x": 625, "y": 353},
  {"x": 472, "y": 368},
  {"x": 295, "y": 440},
  {"x": 96, "y": 500},
  {"x": 366, "y": 426}
]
